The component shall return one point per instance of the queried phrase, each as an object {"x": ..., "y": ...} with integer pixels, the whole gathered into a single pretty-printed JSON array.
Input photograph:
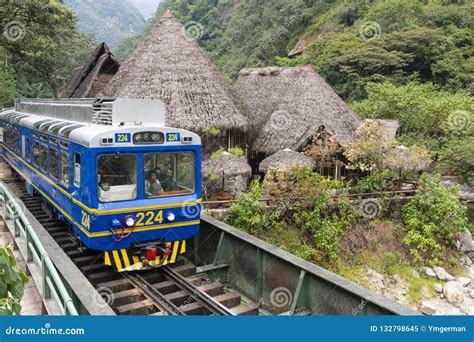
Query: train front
[{"x": 146, "y": 185}]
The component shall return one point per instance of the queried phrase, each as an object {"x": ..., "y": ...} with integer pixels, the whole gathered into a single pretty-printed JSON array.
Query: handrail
[{"x": 52, "y": 284}]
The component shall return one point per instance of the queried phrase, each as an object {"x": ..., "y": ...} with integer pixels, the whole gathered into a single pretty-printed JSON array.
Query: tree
[
  {"x": 367, "y": 153},
  {"x": 40, "y": 42},
  {"x": 407, "y": 160},
  {"x": 12, "y": 283}
]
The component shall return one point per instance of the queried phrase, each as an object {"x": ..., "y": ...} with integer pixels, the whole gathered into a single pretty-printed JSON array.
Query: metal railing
[{"x": 52, "y": 284}]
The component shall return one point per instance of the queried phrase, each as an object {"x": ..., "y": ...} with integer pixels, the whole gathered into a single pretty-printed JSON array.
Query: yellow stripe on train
[{"x": 123, "y": 261}]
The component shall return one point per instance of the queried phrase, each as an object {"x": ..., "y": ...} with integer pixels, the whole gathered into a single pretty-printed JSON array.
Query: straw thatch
[
  {"x": 390, "y": 126},
  {"x": 286, "y": 160},
  {"x": 289, "y": 105},
  {"x": 91, "y": 79},
  {"x": 226, "y": 174},
  {"x": 169, "y": 65},
  {"x": 401, "y": 157},
  {"x": 227, "y": 164}
]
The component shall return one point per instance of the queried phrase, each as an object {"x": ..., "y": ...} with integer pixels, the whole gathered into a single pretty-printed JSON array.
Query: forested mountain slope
[{"x": 109, "y": 21}]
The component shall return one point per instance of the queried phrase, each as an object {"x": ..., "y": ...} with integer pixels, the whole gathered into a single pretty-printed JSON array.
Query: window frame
[
  {"x": 41, "y": 158},
  {"x": 171, "y": 195},
  {"x": 61, "y": 154},
  {"x": 51, "y": 150},
  {"x": 76, "y": 183},
  {"x": 36, "y": 162},
  {"x": 135, "y": 155}
]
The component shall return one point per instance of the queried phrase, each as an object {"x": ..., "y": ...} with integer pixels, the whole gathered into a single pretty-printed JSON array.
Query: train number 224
[{"x": 149, "y": 218}]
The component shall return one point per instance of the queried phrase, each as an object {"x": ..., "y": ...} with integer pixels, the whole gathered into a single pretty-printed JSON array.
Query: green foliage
[
  {"x": 457, "y": 157},
  {"x": 236, "y": 151},
  {"x": 218, "y": 153},
  {"x": 375, "y": 181},
  {"x": 7, "y": 83},
  {"x": 420, "y": 108},
  {"x": 247, "y": 212},
  {"x": 12, "y": 283},
  {"x": 109, "y": 21},
  {"x": 367, "y": 152},
  {"x": 43, "y": 46},
  {"x": 432, "y": 218}
]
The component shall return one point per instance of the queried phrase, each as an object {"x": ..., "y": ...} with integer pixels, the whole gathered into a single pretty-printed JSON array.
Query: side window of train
[
  {"x": 44, "y": 158},
  {"x": 77, "y": 169},
  {"x": 64, "y": 168},
  {"x": 26, "y": 148},
  {"x": 36, "y": 154},
  {"x": 53, "y": 153}
]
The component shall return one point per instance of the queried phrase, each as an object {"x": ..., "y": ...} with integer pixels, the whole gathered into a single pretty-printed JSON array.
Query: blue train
[{"x": 128, "y": 185}]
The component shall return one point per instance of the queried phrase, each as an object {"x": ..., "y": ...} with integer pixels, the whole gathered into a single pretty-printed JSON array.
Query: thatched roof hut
[
  {"x": 227, "y": 164},
  {"x": 169, "y": 65},
  {"x": 226, "y": 173},
  {"x": 390, "y": 126},
  {"x": 287, "y": 160},
  {"x": 289, "y": 105},
  {"x": 91, "y": 79}
]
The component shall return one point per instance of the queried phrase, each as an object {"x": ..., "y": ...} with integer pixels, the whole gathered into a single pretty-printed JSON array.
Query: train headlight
[
  {"x": 138, "y": 137},
  {"x": 170, "y": 217},
  {"x": 129, "y": 221},
  {"x": 155, "y": 137}
]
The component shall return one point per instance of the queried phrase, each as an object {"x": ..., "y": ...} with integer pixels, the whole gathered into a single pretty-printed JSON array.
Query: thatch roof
[
  {"x": 227, "y": 164},
  {"x": 287, "y": 160},
  {"x": 169, "y": 65},
  {"x": 288, "y": 105},
  {"x": 89, "y": 80},
  {"x": 390, "y": 126}
]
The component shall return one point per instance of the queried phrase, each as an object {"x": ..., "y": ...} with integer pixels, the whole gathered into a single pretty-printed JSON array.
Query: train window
[
  {"x": 77, "y": 169},
  {"x": 169, "y": 174},
  {"x": 27, "y": 148},
  {"x": 117, "y": 177},
  {"x": 36, "y": 153},
  {"x": 53, "y": 153},
  {"x": 64, "y": 168},
  {"x": 44, "y": 158}
]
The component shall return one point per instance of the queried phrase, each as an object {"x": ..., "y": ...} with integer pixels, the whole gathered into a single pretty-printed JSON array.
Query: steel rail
[
  {"x": 158, "y": 299},
  {"x": 201, "y": 297}
]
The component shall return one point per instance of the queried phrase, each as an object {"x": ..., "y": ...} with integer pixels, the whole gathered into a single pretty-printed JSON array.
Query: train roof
[{"x": 90, "y": 134}]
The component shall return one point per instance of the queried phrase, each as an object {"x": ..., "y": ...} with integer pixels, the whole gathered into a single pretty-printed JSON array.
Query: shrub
[
  {"x": 432, "y": 218},
  {"x": 12, "y": 283},
  {"x": 247, "y": 212},
  {"x": 236, "y": 151}
]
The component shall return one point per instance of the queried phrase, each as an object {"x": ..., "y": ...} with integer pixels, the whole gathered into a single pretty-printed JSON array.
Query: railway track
[{"x": 180, "y": 289}]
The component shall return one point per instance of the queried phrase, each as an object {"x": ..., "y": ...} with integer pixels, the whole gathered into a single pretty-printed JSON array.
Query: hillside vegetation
[{"x": 109, "y": 21}]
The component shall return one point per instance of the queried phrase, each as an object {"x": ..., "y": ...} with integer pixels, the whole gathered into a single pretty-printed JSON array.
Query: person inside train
[
  {"x": 169, "y": 183},
  {"x": 152, "y": 185}
]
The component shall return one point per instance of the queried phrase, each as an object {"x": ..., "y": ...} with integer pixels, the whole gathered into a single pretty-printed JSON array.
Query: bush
[
  {"x": 457, "y": 157},
  {"x": 247, "y": 212},
  {"x": 432, "y": 218},
  {"x": 12, "y": 283}
]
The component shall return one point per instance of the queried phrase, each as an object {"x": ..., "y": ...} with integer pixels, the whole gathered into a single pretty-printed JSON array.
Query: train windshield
[
  {"x": 169, "y": 174},
  {"x": 117, "y": 177}
]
